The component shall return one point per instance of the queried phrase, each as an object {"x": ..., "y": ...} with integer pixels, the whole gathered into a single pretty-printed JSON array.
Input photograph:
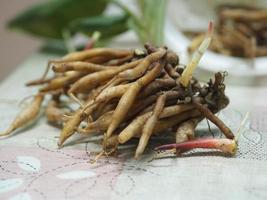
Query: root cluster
[
  {"x": 125, "y": 94},
  {"x": 240, "y": 31}
]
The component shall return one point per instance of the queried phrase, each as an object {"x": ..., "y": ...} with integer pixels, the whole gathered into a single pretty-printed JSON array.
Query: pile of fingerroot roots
[
  {"x": 128, "y": 95},
  {"x": 240, "y": 31}
]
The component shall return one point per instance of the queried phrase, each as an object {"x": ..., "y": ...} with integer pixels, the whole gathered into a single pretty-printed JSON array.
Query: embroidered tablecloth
[{"x": 32, "y": 167}]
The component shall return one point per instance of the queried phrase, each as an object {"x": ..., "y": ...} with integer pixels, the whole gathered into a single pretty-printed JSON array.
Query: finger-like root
[
  {"x": 186, "y": 130},
  {"x": 214, "y": 119},
  {"x": 150, "y": 125},
  {"x": 93, "y": 80},
  {"x": 70, "y": 126},
  {"x": 130, "y": 95},
  {"x": 136, "y": 125},
  {"x": 27, "y": 115}
]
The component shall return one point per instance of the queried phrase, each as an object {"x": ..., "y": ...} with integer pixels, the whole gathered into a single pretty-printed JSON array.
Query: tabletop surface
[{"x": 32, "y": 167}]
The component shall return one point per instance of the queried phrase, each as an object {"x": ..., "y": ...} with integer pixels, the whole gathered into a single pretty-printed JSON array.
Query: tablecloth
[{"x": 32, "y": 167}]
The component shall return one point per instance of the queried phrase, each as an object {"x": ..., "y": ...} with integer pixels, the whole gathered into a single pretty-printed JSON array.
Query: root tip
[
  {"x": 6, "y": 132},
  {"x": 210, "y": 28},
  {"x": 60, "y": 144},
  {"x": 137, "y": 156},
  {"x": 3, "y": 134}
]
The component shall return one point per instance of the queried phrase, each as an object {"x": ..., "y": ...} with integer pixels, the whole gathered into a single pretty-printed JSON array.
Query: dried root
[
  {"x": 27, "y": 115},
  {"x": 240, "y": 31},
  {"x": 123, "y": 95}
]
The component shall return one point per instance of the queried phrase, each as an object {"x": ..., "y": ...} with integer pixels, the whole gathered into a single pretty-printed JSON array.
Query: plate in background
[{"x": 194, "y": 15}]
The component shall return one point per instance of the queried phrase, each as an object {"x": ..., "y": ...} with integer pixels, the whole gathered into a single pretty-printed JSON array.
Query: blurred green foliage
[{"x": 49, "y": 20}]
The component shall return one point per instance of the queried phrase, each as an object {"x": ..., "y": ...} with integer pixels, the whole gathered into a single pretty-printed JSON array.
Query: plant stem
[{"x": 191, "y": 66}]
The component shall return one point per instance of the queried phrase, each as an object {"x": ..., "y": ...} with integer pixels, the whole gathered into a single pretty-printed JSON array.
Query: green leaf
[
  {"x": 150, "y": 26},
  {"x": 50, "y": 18},
  {"x": 141, "y": 5},
  {"x": 108, "y": 26}
]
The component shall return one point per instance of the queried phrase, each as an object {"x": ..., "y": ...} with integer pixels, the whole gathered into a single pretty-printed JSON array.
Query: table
[{"x": 32, "y": 167}]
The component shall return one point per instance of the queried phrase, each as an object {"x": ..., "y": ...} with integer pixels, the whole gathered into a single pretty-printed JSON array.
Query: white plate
[{"x": 195, "y": 15}]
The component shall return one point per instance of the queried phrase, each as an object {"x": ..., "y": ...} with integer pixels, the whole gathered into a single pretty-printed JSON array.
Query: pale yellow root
[
  {"x": 98, "y": 156},
  {"x": 190, "y": 68},
  {"x": 44, "y": 75},
  {"x": 85, "y": 131},
  {"x": 180, "y": 136},
  {"x": 103, "y": 153},
  {"x": 97, "y": 112},
  {"x": 140, "y": 104},
  {"x": 106, "y": 109},
  {"x": 143, "y": 103},
  {"x": 129, "y": 97},
  {"x": 106, "y": 95},
  {"x": 54, "y": 113},
  {"x": 27, "y": 115},
  {"x": 169, "y": 122},
  {"x": 99, "y": 59},
  {"x": 70, "y": 126},
  {"x": 101, "y": 124},
  {"x": 122, "y": 108},
  {"x": 136, "y": 125},
  {"x": 89, "y": 109},
  {"x": 186, "y": 130},
  {"x": 94, "y": 93},
  {"x": 174, "y": 110},
  {"x": 112, "y": 142},
  {"x": 93, "y": 80},
  {"x": 142, "y": 67},
  {"x": 150, "y": 125},
  {"x": 60, "y": 82},
  {"x": 118, "y": 61},
  {"x": 112, "y": 92},
  {"x": 95, "y": 52},
  {"x": 106, "y": 86},
  {"x": 76, "y": 99},
  {"x": 79, "y": 66},
  {"x": 133, "y": 128},
  {"x": 39, "y": 81},
  {"x": 88, "y": 54},
  {"x": 227, "y": 146}
]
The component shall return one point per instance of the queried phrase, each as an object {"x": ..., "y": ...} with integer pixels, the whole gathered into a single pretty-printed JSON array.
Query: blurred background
[
  {"x": 14, "y": 47},
  {"x": 240, "y": 46}
]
